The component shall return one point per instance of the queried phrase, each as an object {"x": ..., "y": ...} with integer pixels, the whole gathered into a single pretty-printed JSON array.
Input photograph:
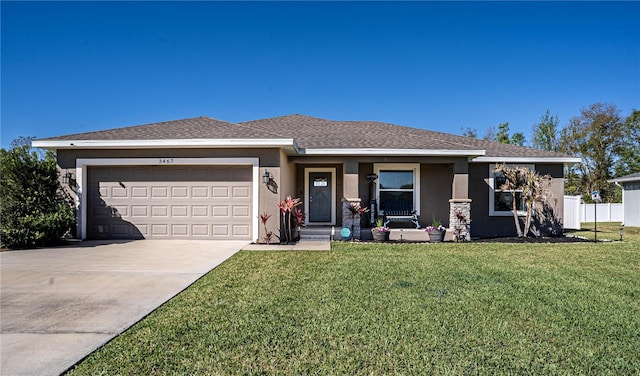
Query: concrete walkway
[
  {"x": 299, "y": 246},
  {"x": 60, "y": 304}
]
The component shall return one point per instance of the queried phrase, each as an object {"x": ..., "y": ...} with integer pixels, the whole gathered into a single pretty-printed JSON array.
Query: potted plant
[
  {"x": 436, "y": 231},
  {"x": 380, "y": 232}
]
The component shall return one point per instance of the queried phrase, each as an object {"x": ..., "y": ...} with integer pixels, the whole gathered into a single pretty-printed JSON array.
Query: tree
[
  {"x": 595, "y": 136},
  {"x": 535, "y": 193},
  {"x": 503, "y": 136},
  {"x": 470, "y": 132},
  {"x": 628, "y": 151},
  {"x": 503, "y": 133},
  {"x": 34, "y": 209},
  {"x": 518, "y": 139},
  {"x": 22, "y": 141},
  {"x": 545, "y": 133},
  {"x": 490, "y": 134}
]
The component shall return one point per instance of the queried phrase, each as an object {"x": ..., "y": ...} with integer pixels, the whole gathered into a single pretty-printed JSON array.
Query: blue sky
[{"x": 72, "y": 67}]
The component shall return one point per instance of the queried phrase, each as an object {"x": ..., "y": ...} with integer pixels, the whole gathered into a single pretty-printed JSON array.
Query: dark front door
[{"x": 320, "y": 196}]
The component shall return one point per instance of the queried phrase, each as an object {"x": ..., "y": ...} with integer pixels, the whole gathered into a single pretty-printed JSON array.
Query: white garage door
[{"x": 206, "y": 202}]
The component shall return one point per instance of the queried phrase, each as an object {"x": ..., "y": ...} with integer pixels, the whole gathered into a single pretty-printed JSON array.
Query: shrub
[{"x": 34, "y": 209}]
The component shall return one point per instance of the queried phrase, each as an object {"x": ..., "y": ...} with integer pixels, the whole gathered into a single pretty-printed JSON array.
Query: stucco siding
[
  {"x": 436, "y": 182},
  {"x": 485, "y": 225}
]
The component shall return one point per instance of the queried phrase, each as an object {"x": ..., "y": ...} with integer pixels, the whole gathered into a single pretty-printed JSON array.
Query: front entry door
[{"x": 320, "y": 196}]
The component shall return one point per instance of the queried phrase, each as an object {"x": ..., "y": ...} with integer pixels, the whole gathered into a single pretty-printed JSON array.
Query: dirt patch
[{"x": 515, "y": 239}]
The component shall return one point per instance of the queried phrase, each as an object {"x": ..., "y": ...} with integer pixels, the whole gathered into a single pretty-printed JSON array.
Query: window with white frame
[
  {"x": 398, "y": 186},
  {"x": 501, "y": 200}
]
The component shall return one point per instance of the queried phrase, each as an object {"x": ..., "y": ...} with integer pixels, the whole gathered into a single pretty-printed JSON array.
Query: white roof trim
[
  {"x": 624, "y": 180},
  {"x": 526, "y": 160},
  {"x": 372, "y": 151},
  {"x": 166, "y": 144}
]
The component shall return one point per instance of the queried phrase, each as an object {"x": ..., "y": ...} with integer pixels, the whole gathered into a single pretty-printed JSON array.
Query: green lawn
[
  {"x": 475, "y": 308},
  {"x": 607, "y": 231}
]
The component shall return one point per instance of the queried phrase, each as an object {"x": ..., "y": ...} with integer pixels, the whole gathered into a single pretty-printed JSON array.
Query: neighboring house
[
  {"x": 630, "y": 198},
  {"x": 203, "y": 178}
]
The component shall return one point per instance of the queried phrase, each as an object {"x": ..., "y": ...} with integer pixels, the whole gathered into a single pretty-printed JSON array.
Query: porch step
[
  {"x": 314, "y": 238},
  {"x": 315, "y": 233}
]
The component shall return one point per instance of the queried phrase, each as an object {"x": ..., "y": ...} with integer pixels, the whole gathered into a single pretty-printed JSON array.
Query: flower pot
[
  {"x": 436, "y": 236},
  {"x": 380, "y": 236}
]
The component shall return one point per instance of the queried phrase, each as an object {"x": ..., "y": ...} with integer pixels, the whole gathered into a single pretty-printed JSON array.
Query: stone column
[
  {"x": 462, "y": 206},
  {"x": 349, "y": 219}
]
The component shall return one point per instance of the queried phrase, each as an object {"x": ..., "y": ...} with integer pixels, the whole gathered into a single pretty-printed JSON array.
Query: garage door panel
[
  {"x": 159, "y": 211},
  {"x": 179, "y": 192},
  {"x": 139, "y": 211},
  {"x": 200, "y": 230},
  {"x": 220, "y": 192},
  {"x": 200, "y": 192},
  {"x": 220, "y": 230},
  {"x": 180, "y": 230},
  {"x": 169, "y": 202},
  {"x": 139, "y": 192},
  {"x": 159, "y": 192},
  {"x": 241, "y": 192},
  {"x": 220, "y": 211},
  {"x": 241, "y": 211},
  {"x": 160, "y": 230},
  {"x": 199, "y": 211},
  {"x": 241, "y": 230},
  {"x": 180, "y": 211}
]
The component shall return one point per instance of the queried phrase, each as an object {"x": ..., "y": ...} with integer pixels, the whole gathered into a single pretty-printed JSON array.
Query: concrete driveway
[{"x": 60, "y": 304}]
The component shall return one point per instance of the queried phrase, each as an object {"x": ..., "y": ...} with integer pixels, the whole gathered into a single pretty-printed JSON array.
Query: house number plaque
[
  {"x": 165, "y": 160},
  {"x": 320, "y": 182}
]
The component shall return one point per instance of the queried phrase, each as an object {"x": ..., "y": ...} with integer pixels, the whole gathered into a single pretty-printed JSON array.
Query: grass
[
  {"x": 397, "y": 309},
  {"x": 607, "y": 231}
]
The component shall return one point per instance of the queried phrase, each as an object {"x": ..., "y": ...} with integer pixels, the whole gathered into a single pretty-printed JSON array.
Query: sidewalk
[{"x": 299, "y": 246}]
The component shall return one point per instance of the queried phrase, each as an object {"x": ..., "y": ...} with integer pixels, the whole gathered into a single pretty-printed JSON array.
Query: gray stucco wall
[{"x": 485, "y": 225}]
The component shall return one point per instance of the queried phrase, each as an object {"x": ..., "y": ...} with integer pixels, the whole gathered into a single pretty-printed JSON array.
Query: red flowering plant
[
  {"x": 264, "y": 217},
  {"x": 299, "y": 217},
  {"x": 356, "y": 209},
  {"x": 287, "y": 207}
]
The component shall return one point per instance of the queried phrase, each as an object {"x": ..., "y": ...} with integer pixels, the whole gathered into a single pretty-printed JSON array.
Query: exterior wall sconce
[
  {"x": 267, "y": 177},
  {"x": 67, "y": 177}
]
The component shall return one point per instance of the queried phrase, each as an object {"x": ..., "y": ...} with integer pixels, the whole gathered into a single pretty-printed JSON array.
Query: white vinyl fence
[
  {"x": 575, "y": 212},
  {"x": 605, "y": 212},
  {"x": 572, "y": 210}
]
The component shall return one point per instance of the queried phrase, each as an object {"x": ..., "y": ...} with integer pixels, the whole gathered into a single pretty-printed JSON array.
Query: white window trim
[
  {"x": 83, "y": 163},
  {"x": 332, "y": 170},
  {"x": 415, "y": 167},
  {"x": 493, "y": 189}
]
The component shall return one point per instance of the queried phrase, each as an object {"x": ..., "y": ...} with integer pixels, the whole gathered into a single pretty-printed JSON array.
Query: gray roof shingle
[
  {"x": 193, "y": 128},
  {"x": 312, "y": 133}
]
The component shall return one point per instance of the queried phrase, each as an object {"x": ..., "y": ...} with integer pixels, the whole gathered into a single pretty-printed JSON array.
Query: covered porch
[{"x": 433, "y": 187}]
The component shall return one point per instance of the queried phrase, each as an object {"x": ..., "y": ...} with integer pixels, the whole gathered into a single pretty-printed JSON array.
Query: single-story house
[
  {"x": 206, "y": 178},
  {"x": 630, "y": 198}
]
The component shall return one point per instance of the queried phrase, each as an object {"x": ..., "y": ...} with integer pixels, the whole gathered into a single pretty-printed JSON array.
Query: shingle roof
[
  {"x": 312, "y": 133},
  {"x": 631, "y": 177},
  {"x": 193, "y": 128}
]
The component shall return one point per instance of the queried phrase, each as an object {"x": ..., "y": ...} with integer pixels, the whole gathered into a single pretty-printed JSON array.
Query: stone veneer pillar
[
  {"x": 463, "y": 205},
  {"x": 348, "y": 219}
]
